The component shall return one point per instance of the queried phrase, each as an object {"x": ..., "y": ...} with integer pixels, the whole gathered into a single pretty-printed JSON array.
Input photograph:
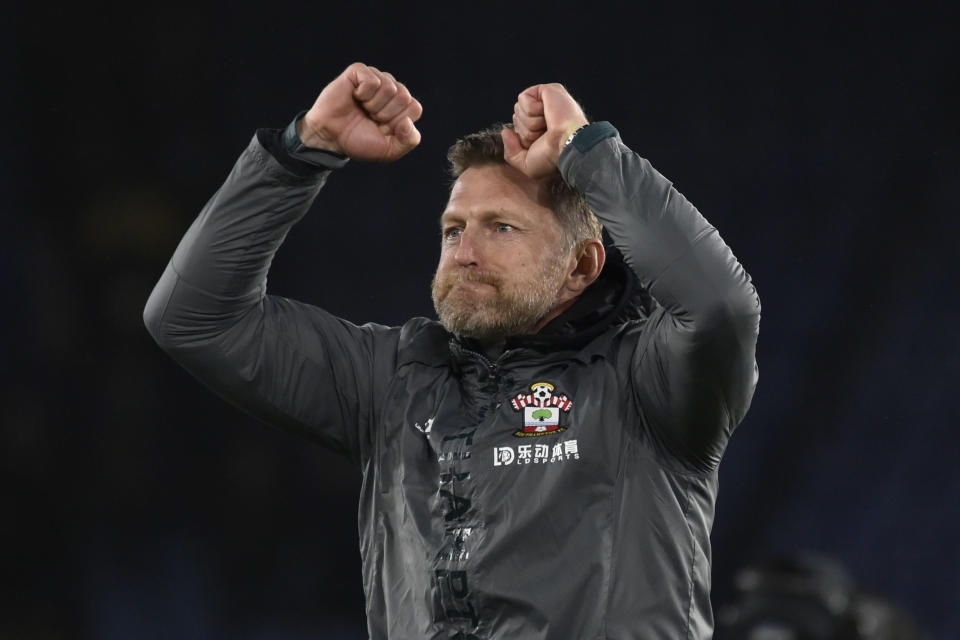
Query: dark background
[{"x": 820, "y": 139}]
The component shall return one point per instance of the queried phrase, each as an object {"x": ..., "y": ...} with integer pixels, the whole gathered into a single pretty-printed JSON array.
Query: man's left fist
[{"x": 543, "y": 118}]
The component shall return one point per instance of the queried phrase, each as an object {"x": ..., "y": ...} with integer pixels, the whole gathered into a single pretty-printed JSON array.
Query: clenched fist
[
  {"x": 543, "y": 118},
  {"x": 365, "y": 114}
]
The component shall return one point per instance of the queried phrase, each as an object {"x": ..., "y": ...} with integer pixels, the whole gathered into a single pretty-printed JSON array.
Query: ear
[{"x": 590, "y": 258}]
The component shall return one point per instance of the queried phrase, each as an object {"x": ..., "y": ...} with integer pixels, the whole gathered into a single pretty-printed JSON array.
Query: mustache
[{"x": 480, "y": 277}]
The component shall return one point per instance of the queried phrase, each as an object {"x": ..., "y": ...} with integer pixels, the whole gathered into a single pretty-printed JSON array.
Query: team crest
[{"x": 541, "y": 410}]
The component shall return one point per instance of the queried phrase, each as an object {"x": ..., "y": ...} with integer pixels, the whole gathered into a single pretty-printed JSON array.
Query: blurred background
[{"x": 821, "y": 140}]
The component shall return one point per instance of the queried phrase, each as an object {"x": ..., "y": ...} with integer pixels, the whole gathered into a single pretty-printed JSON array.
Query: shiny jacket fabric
[{"x": 563, "y": 490}]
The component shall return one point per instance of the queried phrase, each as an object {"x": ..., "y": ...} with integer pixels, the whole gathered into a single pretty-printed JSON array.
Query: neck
[{"x": 553, "y": 314}]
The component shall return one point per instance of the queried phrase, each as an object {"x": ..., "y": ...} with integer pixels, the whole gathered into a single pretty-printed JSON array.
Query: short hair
[{"x": 486, "y": 147}]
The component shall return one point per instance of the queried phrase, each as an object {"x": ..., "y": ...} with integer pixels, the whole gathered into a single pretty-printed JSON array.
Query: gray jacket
[{"x": 564, "y": 490}]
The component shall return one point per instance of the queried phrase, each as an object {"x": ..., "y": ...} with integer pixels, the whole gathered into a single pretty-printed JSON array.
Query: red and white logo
[{"x": 541, "y": 410}]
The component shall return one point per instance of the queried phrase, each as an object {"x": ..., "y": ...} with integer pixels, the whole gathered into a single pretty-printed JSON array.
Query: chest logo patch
[{"x": 541, "y": 410}]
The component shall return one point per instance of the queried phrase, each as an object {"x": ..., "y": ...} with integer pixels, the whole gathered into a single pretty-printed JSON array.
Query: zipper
[{"x": 493, "y": 368}]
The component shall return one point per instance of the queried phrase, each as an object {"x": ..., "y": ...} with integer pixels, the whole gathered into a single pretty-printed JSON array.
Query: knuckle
[
  {"x": 366, "y": 76},
  {"x": 403, "y": 95},
  {"x": 390, "y": 79}
]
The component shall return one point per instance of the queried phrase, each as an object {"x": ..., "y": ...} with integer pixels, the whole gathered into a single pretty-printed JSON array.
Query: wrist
[
  {"x": 315, "y": 138},
  {"x": 570, "y": 130},
  {"x": 291, "y": 146}
]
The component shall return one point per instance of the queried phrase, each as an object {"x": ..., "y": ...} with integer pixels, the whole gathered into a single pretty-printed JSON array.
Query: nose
[{"x": 466, "y": 254}]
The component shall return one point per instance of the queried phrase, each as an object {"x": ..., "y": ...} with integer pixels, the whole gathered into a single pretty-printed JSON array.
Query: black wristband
[{"x": 587, "y": 137}]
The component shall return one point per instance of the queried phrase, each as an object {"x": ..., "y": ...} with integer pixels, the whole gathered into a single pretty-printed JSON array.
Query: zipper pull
[{"x": 493, "y": 378}]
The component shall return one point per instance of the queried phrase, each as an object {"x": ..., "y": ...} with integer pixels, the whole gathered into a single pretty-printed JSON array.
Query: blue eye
[
  {"x": 452, "y": 233},
  {"x": 503, "y": 227}
]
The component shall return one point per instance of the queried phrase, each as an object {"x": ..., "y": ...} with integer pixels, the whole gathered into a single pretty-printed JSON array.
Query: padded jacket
[{"x": 562, "y": 490}]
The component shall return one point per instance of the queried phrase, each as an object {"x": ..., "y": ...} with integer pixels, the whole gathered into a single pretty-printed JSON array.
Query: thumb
[
  {"x": 513, "y": 151},
  {"x": 406, "y": 133}
]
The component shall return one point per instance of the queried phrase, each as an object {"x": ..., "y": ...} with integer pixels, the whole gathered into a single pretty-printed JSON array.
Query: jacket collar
[{"x": 615, "y": 298}]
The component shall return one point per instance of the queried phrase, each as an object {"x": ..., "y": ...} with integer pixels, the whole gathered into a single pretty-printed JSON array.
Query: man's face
[{"x": 503, "y": 259}]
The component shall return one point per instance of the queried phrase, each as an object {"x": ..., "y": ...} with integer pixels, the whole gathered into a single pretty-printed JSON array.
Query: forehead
[{"x": 497, "y": 187}]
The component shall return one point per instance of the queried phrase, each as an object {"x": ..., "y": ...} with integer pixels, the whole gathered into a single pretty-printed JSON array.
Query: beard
[{"x": 500, "y": 309}]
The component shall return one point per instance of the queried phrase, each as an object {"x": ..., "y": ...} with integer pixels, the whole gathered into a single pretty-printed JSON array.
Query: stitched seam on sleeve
[{"x": 693, "y": 561}]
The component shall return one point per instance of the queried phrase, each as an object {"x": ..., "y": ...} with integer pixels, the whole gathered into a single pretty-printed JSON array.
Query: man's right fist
[{"x": 365, "y": 114}]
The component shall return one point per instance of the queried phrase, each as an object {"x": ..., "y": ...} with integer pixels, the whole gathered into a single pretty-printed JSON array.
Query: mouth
[
  {"x": 468, "y": 287},
  {"x": 476, "y": 285}
]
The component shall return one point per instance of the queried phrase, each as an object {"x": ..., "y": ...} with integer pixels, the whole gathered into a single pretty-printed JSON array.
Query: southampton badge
[{"x": 541, "y": 410}]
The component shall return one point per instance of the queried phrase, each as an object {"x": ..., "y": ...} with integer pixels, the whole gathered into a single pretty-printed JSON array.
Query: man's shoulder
[{"x": 423, "y": 341}]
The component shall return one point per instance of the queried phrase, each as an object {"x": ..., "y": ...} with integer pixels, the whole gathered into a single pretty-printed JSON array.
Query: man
[{"x": 541, "y": 463}]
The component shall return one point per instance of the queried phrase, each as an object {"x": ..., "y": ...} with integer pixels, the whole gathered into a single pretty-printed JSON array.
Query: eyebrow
[{"x": 487, "y": 214}]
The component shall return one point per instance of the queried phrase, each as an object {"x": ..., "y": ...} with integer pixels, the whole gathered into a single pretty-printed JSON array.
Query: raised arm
[
  {"x": 694, "y": 371},
  {"x": 290, "y": 364}
]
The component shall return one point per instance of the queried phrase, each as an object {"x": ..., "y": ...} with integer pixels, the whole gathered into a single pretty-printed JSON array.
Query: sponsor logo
[
  {"x": 427, "y": 425},
  {"x": 541, "y": 410},
  {"x": 536, "y": 454}
]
